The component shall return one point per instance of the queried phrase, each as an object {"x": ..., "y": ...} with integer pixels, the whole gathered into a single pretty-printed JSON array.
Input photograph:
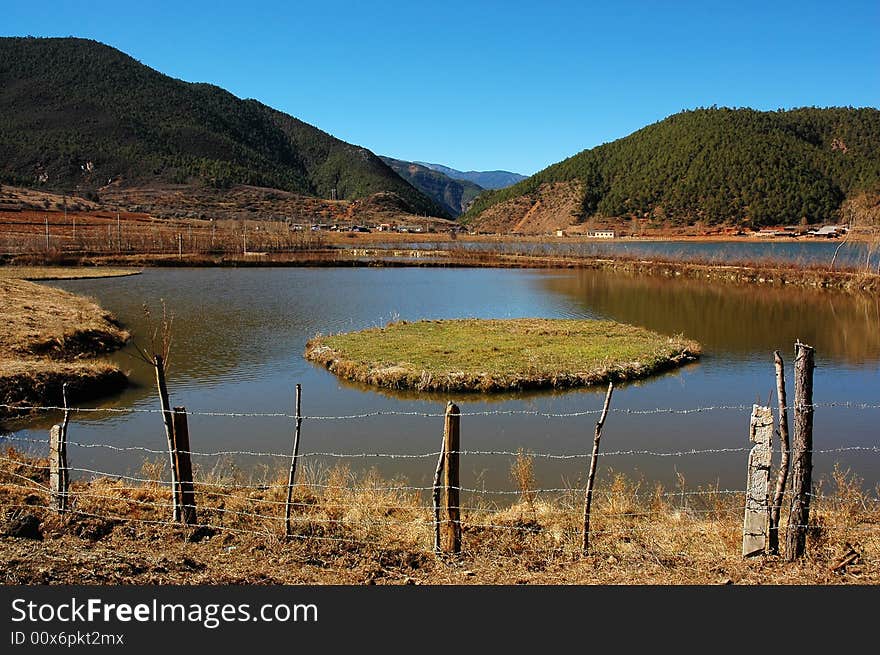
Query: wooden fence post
[
  {"x": 164, "y": 403},
  {"x": 591, "y": 477},
  {"x": 756, "y": 522},
  {"x": 802, "y": 453},
  {"x": 451, "y": 444},
  {"x": 291, "y": 476},
  {"x": 782, "y": 475},
  {"x": 437, "y": 488},
  {"x": 58, "y": 472},
  {"x": 185, "y": 492}
]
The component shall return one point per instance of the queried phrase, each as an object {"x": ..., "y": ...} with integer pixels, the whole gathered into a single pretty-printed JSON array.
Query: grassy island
[
  {"x": 499, "y": 355},
  {"x": 51, "y": 337}
]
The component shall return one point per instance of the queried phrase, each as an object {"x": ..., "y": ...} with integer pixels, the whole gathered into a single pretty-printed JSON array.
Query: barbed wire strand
[
  {"x": 434, "y": 454},
  {"x": 383, "y": 413}
]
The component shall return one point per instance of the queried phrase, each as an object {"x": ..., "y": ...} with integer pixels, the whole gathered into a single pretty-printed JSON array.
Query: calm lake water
[
  {"x": 239, "y": 336},
  {"x": 816, "y": 252}
]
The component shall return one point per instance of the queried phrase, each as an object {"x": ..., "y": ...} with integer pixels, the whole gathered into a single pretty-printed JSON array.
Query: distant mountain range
[
  {"x": 484, "y": 179},
  {"x": 715, "y": 166},
  {"x": 78, "y": 114},
  {"x": 453, "y": 195}
]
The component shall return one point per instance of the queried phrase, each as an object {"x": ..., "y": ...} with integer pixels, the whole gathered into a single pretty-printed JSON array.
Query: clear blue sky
[{"x": 485, "y": 85}]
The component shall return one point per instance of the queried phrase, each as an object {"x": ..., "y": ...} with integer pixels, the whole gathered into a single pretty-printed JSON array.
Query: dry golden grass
[
  {"x": 50, "y": 337},
  {"x": 64, "y": 272},
  {"x": 360, "y": 529}
]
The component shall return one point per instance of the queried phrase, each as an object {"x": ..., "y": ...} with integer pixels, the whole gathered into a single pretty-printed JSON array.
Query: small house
[{"x": 827, "y": 232}]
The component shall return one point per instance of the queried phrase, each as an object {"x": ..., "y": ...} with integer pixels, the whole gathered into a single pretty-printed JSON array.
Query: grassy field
[
  {"x": 51, "y": 337},
  {"x": 498, "y": 355},
  {"x": 361, "y": 529}
]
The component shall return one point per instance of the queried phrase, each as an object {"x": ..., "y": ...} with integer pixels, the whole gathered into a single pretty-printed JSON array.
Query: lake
[
  {"x": 239, "y": 336},
  {"x": 816, "y": 252}
]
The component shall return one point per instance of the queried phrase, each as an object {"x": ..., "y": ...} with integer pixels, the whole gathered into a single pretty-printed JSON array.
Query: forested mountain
[
  {"x": 77, "y": 113},
  {"x": 720, "y": 166},
  {"x": 455, "y": 196},
  {"x": 484, "y": 179}
]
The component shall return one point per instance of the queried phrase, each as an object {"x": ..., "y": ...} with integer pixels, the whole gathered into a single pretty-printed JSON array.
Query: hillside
[
  {"x": 78, "y": 114},
  {"x": 484, "y": 179},
  {"x": 455, "y": 196},
  {"x": 716, "y": 166}
]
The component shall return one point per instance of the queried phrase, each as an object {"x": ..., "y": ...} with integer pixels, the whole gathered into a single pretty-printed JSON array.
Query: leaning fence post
[
  {"x": 438, "y": 481},
  {"x": 291, "y": 476},
  {"x": 186, "y": 496},
  {"x": 591, "y": 477},
  {"x": 164, "y": 403},
  {"x": 782, "y": 475},
  {"x": 451, "y": 445},
  {"x": 756, "y": 521},
  {"x": 802, "y": 453}
]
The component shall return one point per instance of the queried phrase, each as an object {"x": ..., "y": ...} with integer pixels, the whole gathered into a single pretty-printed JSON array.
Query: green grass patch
[{"x": 499, "y": 355}]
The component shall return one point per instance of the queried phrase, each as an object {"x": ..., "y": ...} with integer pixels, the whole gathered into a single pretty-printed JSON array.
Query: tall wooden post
[
  {"x": 802, "y": 453},
  {"x": 437, "y": 489},
  {"x": 591, "y": 476},
  {"x": 59, "y": 473},
  {"x": 185, "y": 491},
  {"x": 165, "y": 404},
  {"x": 452, "y": 480},
  {"x": 291, "y": 476},
  {"x": 782, "y": 475},
  {"x": 756, "y": 522}
]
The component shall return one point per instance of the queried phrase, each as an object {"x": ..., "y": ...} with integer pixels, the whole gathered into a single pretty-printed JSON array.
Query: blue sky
[{"x": 485, "y": 85}]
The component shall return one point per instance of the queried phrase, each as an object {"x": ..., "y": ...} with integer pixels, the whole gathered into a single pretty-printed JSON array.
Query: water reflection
[{"x": 732, "y": 319}]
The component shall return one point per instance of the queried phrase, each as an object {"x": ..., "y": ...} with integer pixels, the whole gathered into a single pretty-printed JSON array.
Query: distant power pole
[
  {"x": 47, "y": 232},
  {"x": 118, "y": 233}
]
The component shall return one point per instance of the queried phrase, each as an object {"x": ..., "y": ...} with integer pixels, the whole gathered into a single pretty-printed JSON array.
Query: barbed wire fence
[{"x": 341, "y": 510}]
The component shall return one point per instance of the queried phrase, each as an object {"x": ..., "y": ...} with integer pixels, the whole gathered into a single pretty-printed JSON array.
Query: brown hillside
[{"x": 553, "y": 207}]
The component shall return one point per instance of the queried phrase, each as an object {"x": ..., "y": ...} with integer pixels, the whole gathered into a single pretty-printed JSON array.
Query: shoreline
[
  {"x": 54, "y": 338},
  {"x": 772, "y": 273}
]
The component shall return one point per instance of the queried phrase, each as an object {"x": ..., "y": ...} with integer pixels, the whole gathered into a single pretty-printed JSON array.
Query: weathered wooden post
[
  {"x": 591, "y": 476},
  {"x": 756, "y": 522},
  {"x": 185, "y": 492},
  {"x": 451, "y": 444},
  {"x": 782, "y": 475},
  {"x": 802, "y": 453},
  {"x": 437, "y": 488},
  {"x": 291, "y": 476},
  {"x": 58, "y": 481},
  {"x": 59, "y": 474},
  {"x": 164, "y": 403}
]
